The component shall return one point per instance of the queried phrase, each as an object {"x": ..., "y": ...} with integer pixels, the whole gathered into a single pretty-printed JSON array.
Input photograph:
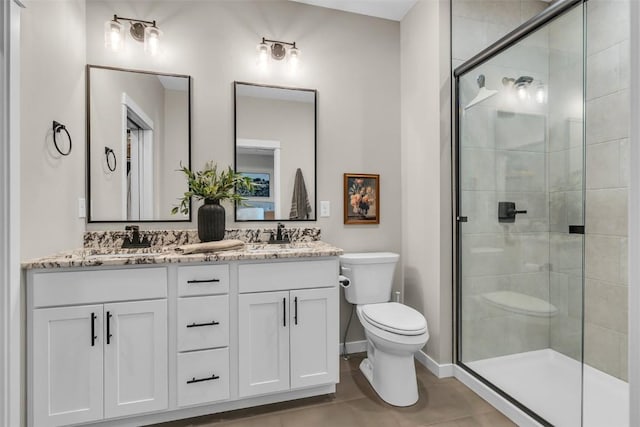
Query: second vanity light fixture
[
  {"x": 278, "y": 50},
  {"x": 143, "y": 31}
]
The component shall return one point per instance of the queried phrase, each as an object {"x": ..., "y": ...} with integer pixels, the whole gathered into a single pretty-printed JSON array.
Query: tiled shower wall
[
  {"x": 565, "y": 171},
  {"x": 475, "y": 25},
  {"x": 607, "y": 181},
  {"x": 607, "y": 114},
  {"x": 500, "y": 147}
]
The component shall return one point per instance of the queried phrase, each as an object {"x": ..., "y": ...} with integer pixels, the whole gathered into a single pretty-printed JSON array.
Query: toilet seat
[{"x": 395, "y": 318}]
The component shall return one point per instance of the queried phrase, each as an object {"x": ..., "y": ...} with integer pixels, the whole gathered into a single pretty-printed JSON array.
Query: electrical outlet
[
  {"x": 82, "y": 207},
  {"x": 325, "y": 209}
]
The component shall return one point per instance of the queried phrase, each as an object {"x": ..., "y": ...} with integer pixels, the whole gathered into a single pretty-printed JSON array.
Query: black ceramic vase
[{"x": 211, "y": 217}]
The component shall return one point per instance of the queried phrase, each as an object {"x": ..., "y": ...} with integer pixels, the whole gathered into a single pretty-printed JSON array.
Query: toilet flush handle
[{"x": 344, "y": 281}]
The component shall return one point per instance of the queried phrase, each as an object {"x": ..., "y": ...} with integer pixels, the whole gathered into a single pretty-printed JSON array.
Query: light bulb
[
  {"x": 522, "y": 92},
  {"x": 540, "y": 94},
  {"x": 263, "y": 55},
  {"x": 152, "y": 36},
  {"x": 294, "y": 59},
  {"x": 113, "y": 35}
]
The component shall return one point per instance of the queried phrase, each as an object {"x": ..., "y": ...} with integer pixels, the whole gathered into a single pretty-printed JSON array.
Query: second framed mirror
[{"x": 275, "y": 145}]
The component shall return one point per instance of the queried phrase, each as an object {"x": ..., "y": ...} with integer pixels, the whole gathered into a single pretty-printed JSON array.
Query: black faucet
[
  {"x": 279, "y": 238},
  {"x": 134, "y": 241}
]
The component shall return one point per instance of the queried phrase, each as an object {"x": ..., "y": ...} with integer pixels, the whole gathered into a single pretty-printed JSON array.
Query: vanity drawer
[
  {"x": 97, "y": 286},
  {"x": 196, "y": 377},
  {"x": 275, "y": 276},
  {"x": 203, "y": 322},
  {"x": 203, "y": 280}
]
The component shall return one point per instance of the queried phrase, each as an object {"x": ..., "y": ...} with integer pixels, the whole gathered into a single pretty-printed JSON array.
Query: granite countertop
[{"x": 91, "y": 257}]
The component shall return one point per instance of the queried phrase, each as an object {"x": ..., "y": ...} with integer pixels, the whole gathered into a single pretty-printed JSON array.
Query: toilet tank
[{"x": 370, "y": 274}]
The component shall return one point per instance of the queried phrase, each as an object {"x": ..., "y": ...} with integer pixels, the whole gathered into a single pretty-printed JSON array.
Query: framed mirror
[
  {"x": 138, "y": 133},
  {"x": 275, "y": 145}
]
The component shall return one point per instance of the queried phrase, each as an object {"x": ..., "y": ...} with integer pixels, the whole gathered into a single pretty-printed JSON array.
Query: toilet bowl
[
  {"x": 394, "y": 331},
  {"x": 390, "y": 366}
]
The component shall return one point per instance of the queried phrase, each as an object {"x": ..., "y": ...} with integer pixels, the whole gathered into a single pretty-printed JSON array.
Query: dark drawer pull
[
  {"x": 197, "y": 325},
  {"x": 93, "y": 329},
  {"x": 203, "y": 281},
  {"x": 199, "y": 380}
]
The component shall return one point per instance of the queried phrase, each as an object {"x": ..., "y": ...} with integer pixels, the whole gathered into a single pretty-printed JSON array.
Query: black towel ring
[
  {"x": 108, "y": 151},
  {"x": 57, "y": 127}
]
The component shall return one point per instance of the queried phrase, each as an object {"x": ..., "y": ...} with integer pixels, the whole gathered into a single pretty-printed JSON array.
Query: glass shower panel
[{"x": 521, "y": 189}]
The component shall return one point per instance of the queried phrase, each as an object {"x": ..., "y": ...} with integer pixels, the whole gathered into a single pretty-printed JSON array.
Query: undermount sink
[
  {"x": 272, "y": 247},
  {"x": 121, "y": 255}
]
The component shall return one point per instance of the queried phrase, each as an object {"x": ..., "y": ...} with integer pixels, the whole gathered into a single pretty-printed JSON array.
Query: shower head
[{"x": 483, "y": 93}]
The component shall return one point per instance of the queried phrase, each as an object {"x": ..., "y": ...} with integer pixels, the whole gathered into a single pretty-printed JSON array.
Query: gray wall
[
  {"x": 52, "y": 88},
  {"x": 426, "y": 160}
]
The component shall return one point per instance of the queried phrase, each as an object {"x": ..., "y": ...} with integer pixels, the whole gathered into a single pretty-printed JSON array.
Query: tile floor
[{"x": 443, "y": 403}]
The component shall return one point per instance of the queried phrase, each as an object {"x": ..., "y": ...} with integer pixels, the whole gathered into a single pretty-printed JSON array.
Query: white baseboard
[
  {"x": 443, "y": 370},
  {"x": 355, "y": 346},
  {"x": 511, "y": 411}
]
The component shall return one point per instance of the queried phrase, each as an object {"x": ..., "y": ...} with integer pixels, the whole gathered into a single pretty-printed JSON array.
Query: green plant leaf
[{"x": 211, "y": 184}]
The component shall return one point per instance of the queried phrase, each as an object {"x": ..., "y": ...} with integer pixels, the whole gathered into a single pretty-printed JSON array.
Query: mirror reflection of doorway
[
  {"x": 138, "y": 189},
  {"x": 262, "y": 157}
]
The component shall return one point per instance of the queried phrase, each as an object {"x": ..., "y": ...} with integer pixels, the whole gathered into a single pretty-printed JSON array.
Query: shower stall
[{"x": 520, "y": 236}]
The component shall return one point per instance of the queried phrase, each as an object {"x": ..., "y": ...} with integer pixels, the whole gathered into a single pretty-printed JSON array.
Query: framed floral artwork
[{"x": 361, "y": 198}]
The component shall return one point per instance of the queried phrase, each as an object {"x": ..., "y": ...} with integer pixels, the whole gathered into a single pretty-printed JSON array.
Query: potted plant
[{"x": 212, "y": 187}]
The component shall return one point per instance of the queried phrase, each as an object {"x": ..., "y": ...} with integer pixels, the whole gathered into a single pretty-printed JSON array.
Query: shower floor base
[{"x": 549, "y": 383}]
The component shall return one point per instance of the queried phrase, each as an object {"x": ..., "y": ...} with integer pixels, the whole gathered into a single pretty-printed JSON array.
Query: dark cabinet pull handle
[
  {"x": 295, "y": 315},
  {"x": 93, "y": 329},
  {"x": 203, "y": 281},
  {"x": 109, "y": 316},
  {"x": 197, "y": 325},
  {"x": 199, "y": 380},
  {"x": 284, "y": 312}
]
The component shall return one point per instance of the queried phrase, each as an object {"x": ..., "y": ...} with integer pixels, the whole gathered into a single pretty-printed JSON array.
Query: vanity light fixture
[
  {"x": 143, "y": 31},
  {"x": 522, "y": 84},
  {"x": 278, "y": 50}
]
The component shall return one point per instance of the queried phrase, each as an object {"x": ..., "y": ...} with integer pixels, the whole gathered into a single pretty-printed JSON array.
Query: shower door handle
[{"x": 576, "y": 229}]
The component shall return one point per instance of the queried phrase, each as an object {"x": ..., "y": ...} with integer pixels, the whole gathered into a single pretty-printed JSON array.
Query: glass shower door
[{"x": 521, "y": 220}]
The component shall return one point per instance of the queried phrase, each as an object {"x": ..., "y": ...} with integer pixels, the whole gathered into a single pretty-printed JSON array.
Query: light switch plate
[
  {"x": 82, "y": 207},
  {"x": 325, "y": 209}
]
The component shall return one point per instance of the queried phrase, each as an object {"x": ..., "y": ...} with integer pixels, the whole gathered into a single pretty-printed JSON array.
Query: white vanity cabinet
[
  {"x": 95, "y": 359},
  {"x": 288, "y": 339},
  {"x": 132, "y": 345}
]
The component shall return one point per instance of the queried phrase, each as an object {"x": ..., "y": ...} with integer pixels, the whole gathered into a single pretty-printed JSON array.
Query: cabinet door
[
  {"x": 314, "y": 337},
  {"x": 67, "y": 381},
  {"x": 135, "y": 357},
  {"x": 264, "y": 343}
]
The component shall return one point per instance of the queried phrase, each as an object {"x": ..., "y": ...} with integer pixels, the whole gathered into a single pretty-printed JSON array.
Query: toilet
[{"x": 394, "y": 331}]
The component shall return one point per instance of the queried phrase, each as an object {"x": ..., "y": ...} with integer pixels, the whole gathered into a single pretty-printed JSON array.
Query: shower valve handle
[{"x": 507, "y": 212}]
